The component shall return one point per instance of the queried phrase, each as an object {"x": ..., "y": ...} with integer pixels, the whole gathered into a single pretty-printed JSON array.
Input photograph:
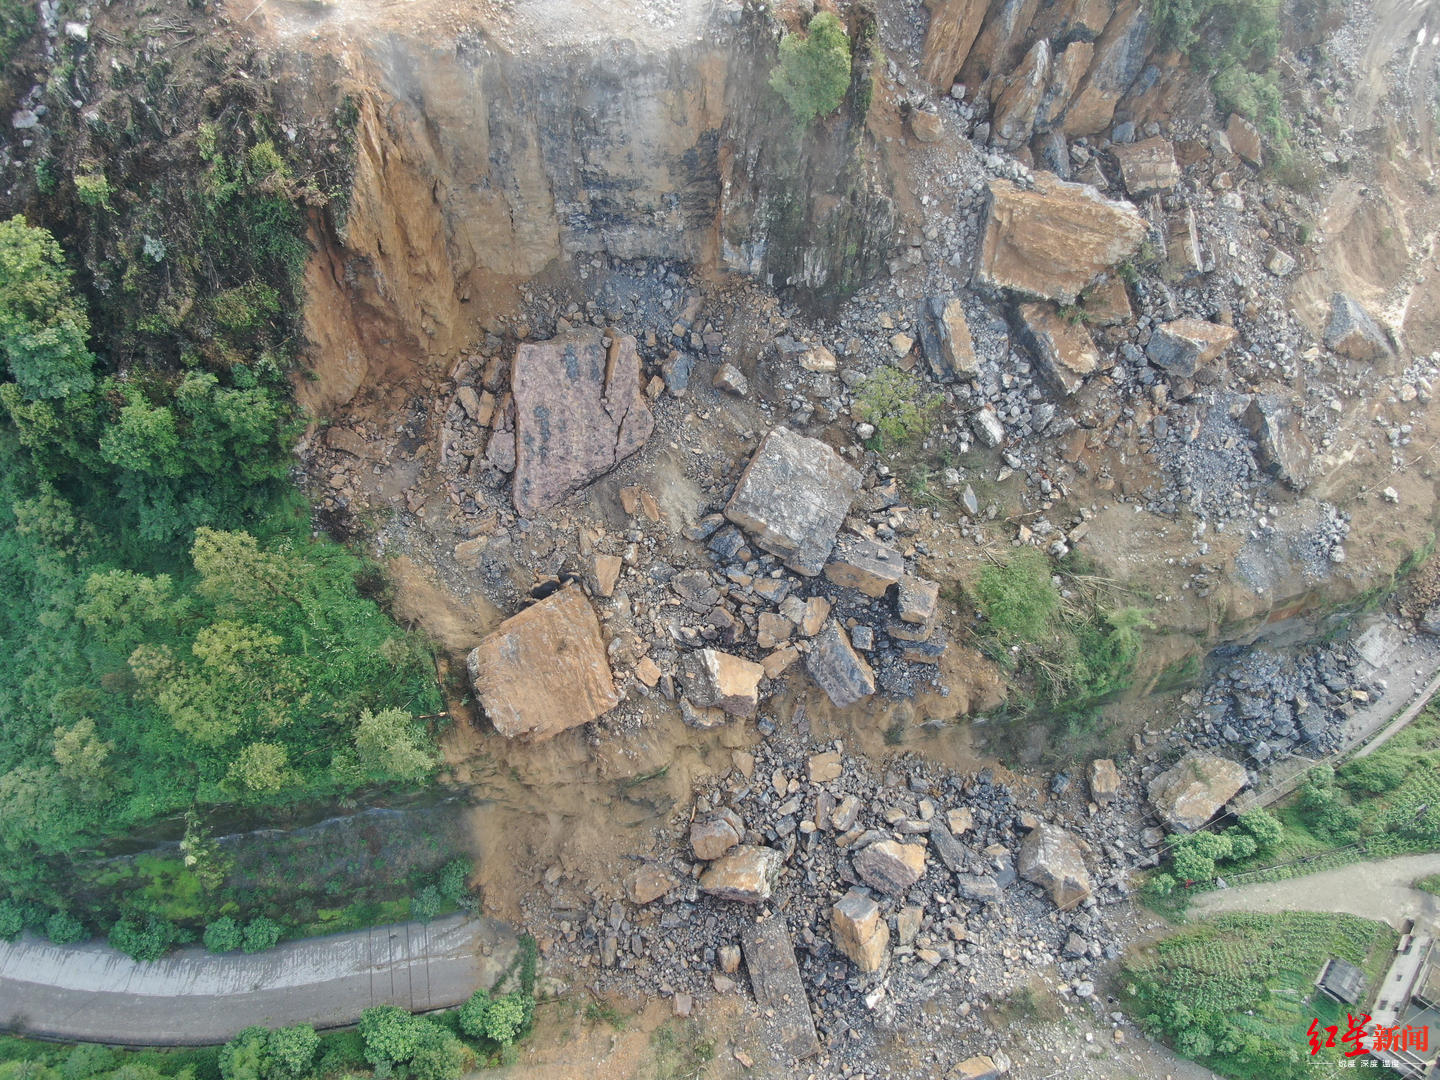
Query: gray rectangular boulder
[
  {"x": 792, "y": 498},
  {"x": 838, "y": 669},
  {"x": 779, "y": 990}
]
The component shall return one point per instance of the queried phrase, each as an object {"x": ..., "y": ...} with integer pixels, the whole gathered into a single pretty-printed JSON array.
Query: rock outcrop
[
  {"x": 1282, "y": 448},
  {"x": 792, "y": 498},
  {"x": 1051, "y": 858},
  {"x": 545, "y": 669},
  {"x": 1193, "y": 790},
  {"x": 1052, "y": 241},
  {"x": 579, "y": 411}
]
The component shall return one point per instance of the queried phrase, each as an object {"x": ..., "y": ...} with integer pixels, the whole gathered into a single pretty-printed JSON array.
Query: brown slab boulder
[{"x": 544, "y": 670}]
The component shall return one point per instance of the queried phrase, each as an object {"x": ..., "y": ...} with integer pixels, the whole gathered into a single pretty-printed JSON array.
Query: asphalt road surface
[{"x": 91, "y": 993}]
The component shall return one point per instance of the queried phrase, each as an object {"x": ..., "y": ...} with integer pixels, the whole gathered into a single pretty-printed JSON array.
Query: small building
[
  {"x": 1341, "y": 981},
  {"x": 1409, "y": 998}
]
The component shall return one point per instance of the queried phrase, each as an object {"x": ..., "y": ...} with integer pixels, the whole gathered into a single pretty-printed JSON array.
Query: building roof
[{"x": 1342, "y": 980}]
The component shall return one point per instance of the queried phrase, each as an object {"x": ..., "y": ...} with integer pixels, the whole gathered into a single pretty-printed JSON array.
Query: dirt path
[
  {"x": 1382, "y": 889},
  {"x": 91, "y": 993}
]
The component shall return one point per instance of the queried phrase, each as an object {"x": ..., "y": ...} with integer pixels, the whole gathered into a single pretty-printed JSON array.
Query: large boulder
[
  {"x": 579, "y": 411},
  {"x": 954, "y": 26},
  {"x": 1352, "y": 332},
  {"x": 1282, "y": 448},
  {"x": 746, "y": 874},
  {"x": 1180, "y": 347},
  {"x": 545, "y": 669},
  {"x": 838, "y": 669},
  {"x": 1013, "y": 118},
  {"x": 1191, "y": 792},
  {"x": 862, "y": 564},
  {"x": 714, "y": 835},
  {"x": 860, "y": 931},
  {"x": 1051, "y": 858},
  {"x": 1120, "y": 54},
  {"x": 779, "y": 989},
  {"x": 1064, "y": 349},
  {"x": 792, "y": 498},
  {"x": 1053, "y": 240},
  {"x": 1104, "y": 781}
]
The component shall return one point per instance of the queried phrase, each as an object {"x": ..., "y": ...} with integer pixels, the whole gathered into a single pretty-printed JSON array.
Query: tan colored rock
[
  {"x": 745, "y": 874},
  {"x": 1182, "y": 243},
  {"x": 347, "y": 441},
  {"x": 1064, "y": 349},
  {"x": 1245, "y": 140},
  {"x": 647, "y": 671},
  {"x": 824, "y": 767},
  {"x": 1353, "y": 332},
  {"x": 1193, "y": 790},
  {"x": 817, "y": 610},
  {"x": 949, "y": 349},
  {"x": 819, "y": 359},
  {"x": 773, "y": 630},
  {"x": 1107, "y": 303},
  {"x": 1147, "y": 166},
  {"x": 889, "y": 866},
  {"x": 649, "y": 883},
  {"x": 1051, "y": 858},
  {"x": 865, "y": 565},
  {"x": 607, "y": 573},
  {"x": 544, "y": 670},
  {"x": 1013, "y": 119},
  {"x": 718, "y": 680},
  {"x": 926, "y": 126},
  {"x": 954, "y": 26},
  {"x": 1067, "y": 69},
  {"x": 1104, "y": 781},
  {"x": 1120, "y": 53},
  {"x": 859, "y": 930},
  {"x": 1053, "y": 241},
  {"x": 917, "y": 600},
  {"x": 779, "y": 661},
  {"x": 907, "y": 923},
  {"x": 979, "y": 1067},
  {"x": 1180, "y": 347},
  {"x": 901, "y": 344},
  {"x": 792, "y": 498},
  {"x": 579, "y": 411},
  {"x": 960, "y": 821},
  {"x": 712, "y": 836}
]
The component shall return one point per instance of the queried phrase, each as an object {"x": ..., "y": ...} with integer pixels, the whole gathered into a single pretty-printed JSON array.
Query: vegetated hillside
[{"x": 175, "y": 636}]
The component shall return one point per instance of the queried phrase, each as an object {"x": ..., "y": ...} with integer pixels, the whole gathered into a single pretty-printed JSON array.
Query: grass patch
[
  {"x": 1430, "y": 884},
  {"x": 1236, "y": 993}
]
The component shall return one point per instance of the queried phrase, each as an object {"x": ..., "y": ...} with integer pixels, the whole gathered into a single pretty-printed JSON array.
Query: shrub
[
  {"x": 93, "y": 189},
  {"x": 1263, "y": 827},
  {"x": 814, "y": 70},
  {"x": 12, "y": 920},
  {"x": 224, "y": 935},
  {"x": 452, "y": 883},
  {"x": 247, "y": 1055},
  {"x": 472, "y": 1014},
  {"x": 427, "y": 903},
  {"x": 17, "y": 20},
  {"x": 893, "y": 401},
  {"x": 507, "y": 1017},
  {"x": 145, "y": 939},
  {"x": 62, "y": 928},
  {"x": 1017, "y": 598},
  {"x": 261, "y": 934},
  {"x": 1374, "y": 775}
]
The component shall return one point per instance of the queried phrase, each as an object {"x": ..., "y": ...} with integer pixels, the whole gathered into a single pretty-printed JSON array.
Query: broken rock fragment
[
  {"x": 1064, "y": 349},
  {"x": 1180, "y": 347},
  {"x": 545, "y": 669},
  {"x": 711, "y": 837},
  {"x": 917, "y": 600},
  {"x": 1282, "y": 448},
  {"x": 745, "y": 874},
  {"x": 779, "y": 990},
  {"x": 792, "y": 498},
  {"x": 946, "y": 341},
  {"x": 718, "y": 680},
  {"x": 889, "y": 866},
  {"x": 1104, "y": 781},
  {"x": 1148, "y": 166},
  {"x": 1352, "y": 332},
  {"x": 838, "y": 669},
  {"x": 859, "y": 930},
  {"x": 865, "y": 565},
  {"x": 649, "y": 883},
  {"x": 579, "y": 411},
  {"x": 1051, "y": 858}
]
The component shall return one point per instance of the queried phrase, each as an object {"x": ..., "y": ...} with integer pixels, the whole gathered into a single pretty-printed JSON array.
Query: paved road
[
  {"x": 91, "y": 993},
  {"x": 1374, "y": 890}
]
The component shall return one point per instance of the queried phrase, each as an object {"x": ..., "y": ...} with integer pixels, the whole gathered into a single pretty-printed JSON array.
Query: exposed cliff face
[{"x": 476, "y": 169}]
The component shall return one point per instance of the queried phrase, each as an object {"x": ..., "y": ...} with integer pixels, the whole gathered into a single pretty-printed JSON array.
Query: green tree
[
  {"x": 814, "y": 70},
  {"x": 1264, "y": 827},
  {"x": 261, "y": 767},
  {"x": 389, "y": 742},
  {"x": 262, "y": 933},
  {"x": 43, "y": 324},
  {"x": 292, "y": 1051},
  {"x": 247, "y": 1055},
  {"x": 81, "y": 756},
  {"x": 391, "y": 1035},
  {"x": 507, "y": 1018},
  {"x": 224, "y": 935},
  {"x": 146, "y": 938},
  {"x": 65, "y": 929}
]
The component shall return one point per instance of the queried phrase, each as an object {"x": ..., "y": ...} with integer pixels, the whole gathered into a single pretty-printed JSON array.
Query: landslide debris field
[{"x": 886, "y": 493}]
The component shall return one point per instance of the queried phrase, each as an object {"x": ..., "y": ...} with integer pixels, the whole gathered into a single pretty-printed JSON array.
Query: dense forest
[{"x": 176, "y": 635}]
